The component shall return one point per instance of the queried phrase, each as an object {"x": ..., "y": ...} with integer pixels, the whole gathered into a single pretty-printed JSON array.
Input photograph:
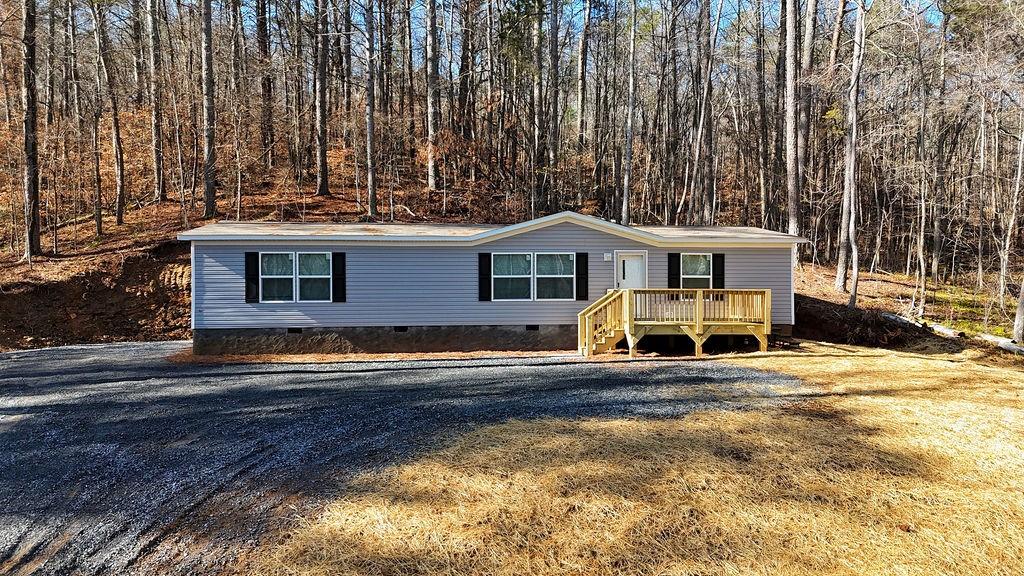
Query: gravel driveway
[{"x": 113, "y": 460}]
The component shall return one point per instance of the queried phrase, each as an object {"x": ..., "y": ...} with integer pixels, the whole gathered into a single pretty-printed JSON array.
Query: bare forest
[{"x": 890, "y": 133}]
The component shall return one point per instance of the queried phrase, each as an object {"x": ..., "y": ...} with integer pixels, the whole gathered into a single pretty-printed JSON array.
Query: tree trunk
[
  {"x": 538, "y": 108},
  {"x": 322, "y": 38},
  {"x": 1011, "y": 221},
  {"x": 155, "y": 96},
  {"x": 138, "y": 53},
  {"x": 97, "y": 204},
  {"x": 581, "y": 78},
  {"x": 371, "y": 136},
  {"x": 850, "y": 173},
  {"x": 844, "y": 210},
  {"x": 627, "y": 153},
  {"x": 29, "y": 102},
  {"x": 109, "y": 77},
  {"x": 266, "y": 84},
  {"x": 553, "y": 116},
  {"x": 346, "y": 52},
  {"x": 1018, "y": 319},
  {"x": 792, "y": 112},
  {"x": 433, "y": 97},
  {"x": 804, "y": 89},
  {"x": 209, "y": 117},
  {"x": 763, "y": 161}
]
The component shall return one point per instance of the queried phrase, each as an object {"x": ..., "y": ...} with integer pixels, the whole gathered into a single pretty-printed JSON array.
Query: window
[
  {"x": 695, "y": 270},
  {"x": 315, "y": 277},
  {"x": 556, "y": 277},
  {"x": 277, "y": 277},
  {"x": 511, "y": 276}
]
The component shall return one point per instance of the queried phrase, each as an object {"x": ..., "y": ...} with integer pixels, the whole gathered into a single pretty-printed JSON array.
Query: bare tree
[
  {"x": 581, "y": 77},
  {"x": 155, "y": 97},
  {"x": 266, "y": 111},
  {"x": 1010, "y": 227},
  {"x": 107, "y": 77},
  {"x": 322, "y": 176},
  {"x": 1018, "y": 319},
  {"x": 371, "y": 131},
  {"x": 553, "y": 116},
  {"x": 538, "y": 107},
  {"x": 29, "y": 106},
  {"x": 850, "y": 165},
  {"x": 209, "y": 117},
  {"x": 627, "y": 152},
  {"x": 804, "y": 88},
  {"x": 433, "y": 96},
  {"x": 792, "y": 112}
]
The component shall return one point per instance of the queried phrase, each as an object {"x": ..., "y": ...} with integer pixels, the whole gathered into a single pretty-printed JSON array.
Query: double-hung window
[
  {"x": 695, "y": 270},
  {"x": 556, "y": 276},
  {"x": 511, "y": 276},
  {"x": 533, "y": 276},
  {"x": 314, "y": 276},
  {"x": 295, "y": 276},
  {"x": 277, "y": 277}
]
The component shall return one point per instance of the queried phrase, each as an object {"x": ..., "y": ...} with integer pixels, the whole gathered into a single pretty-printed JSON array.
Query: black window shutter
[
  {"x": 338, "y": 292},
  {"x": 674, "y": 277},
  {"x": 582, "y": 276},
  {"x": 484, "y": 273},
  {"x": 252, "y": 276},
  {"x": 718, "y": 270}
]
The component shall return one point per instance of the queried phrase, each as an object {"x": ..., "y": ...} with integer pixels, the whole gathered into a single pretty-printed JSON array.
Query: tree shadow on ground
[
  {"x": 118, "y": 461},
  {"x": 723, "y": 491}
]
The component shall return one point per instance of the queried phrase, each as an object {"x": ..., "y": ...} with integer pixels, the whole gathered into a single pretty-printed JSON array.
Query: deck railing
[
  {"x": 602, "y": 318},
  {"x": 687, "y": 306},
  {"x": 696, "y": 312}
]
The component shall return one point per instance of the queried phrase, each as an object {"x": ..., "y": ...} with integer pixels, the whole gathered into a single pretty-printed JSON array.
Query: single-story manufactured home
[{"x": 561, "y": 281}]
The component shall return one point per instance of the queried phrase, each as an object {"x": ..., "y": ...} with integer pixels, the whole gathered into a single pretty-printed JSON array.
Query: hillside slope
[{"x": 133, "y": 284}]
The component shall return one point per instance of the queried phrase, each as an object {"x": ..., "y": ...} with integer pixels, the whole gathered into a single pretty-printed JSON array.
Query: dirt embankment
[
  {"x": 825, "y": 321},
  {"x": 142, "y": 296}
]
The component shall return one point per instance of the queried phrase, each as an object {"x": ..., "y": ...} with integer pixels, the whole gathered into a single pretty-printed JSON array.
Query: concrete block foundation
[{"x": 382, "y": 339}]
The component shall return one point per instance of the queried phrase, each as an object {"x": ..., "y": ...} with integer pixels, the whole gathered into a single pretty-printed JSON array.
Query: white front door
[{"x": 630, "y": 270}]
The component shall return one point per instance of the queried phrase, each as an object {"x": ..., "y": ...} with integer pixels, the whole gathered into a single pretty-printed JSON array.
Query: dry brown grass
[{"x": 908, "y": 463}]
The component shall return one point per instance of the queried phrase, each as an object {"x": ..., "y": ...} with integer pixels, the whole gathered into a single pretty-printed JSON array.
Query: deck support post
[
  {"x": 699, "y": 314},
  {"x": 627, "y": 321},
  {"x": 761, "y": 335},
  {"x": 589, "y": 342}
]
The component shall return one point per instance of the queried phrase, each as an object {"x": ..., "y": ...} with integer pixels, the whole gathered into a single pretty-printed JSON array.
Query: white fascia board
[{"x": 591, "y": 222}]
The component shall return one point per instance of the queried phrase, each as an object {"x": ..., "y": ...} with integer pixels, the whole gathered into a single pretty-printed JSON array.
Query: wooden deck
[{"x": 697, "y": 313}]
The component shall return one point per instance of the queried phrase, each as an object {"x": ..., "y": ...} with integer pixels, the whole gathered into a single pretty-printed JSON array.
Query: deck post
[
  {"x": 699, "y": 313},
  {"x": 588, "y": 341},
  {"x": 627, "y": 320},
  {"x": 767, "y": 312},
  {"x": 581, "y": 334}
]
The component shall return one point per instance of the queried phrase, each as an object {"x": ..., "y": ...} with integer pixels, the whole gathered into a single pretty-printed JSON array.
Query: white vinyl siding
[{"x": 437, "y": 285}]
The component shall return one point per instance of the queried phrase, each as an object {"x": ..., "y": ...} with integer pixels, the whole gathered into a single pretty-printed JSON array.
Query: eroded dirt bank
[{"x": 142, "y": 296}]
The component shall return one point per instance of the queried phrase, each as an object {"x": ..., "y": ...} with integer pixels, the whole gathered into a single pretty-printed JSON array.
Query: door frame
[{"x": 615, "y": 267}]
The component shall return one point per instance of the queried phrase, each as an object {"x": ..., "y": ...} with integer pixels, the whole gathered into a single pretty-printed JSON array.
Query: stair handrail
[{"x": 585, "y": 323}]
